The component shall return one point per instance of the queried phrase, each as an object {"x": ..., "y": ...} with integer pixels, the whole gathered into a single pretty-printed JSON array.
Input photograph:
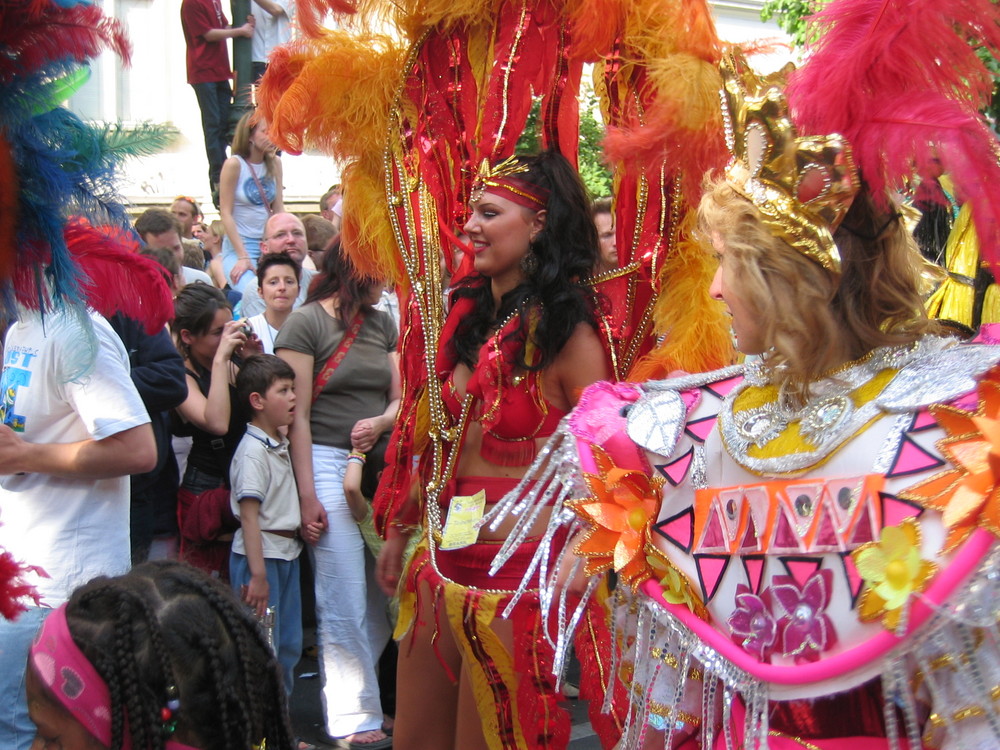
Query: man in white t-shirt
[
  {"x": 72, "y": 430},
  {"x": 274, "y": 27}
]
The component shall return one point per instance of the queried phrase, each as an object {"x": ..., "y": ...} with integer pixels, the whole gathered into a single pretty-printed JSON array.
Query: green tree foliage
[
  {"x": 792, "y": 17},
  {"x": 595, "y": 174}
]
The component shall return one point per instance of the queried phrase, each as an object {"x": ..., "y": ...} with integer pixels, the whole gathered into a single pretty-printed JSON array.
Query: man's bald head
[{"x": 285, "y": 232}]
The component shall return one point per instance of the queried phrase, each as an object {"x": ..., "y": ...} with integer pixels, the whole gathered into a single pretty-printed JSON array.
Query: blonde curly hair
[{"x": 813, "y": 320}]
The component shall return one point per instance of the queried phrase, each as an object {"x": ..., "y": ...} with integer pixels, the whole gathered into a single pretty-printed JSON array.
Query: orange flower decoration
[
  {"x": 967, "y": 496},
  {"x": 620, "y": 509}
]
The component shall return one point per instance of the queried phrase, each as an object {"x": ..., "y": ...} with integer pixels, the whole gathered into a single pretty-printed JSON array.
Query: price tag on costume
[{"x": 461, "y": 527}]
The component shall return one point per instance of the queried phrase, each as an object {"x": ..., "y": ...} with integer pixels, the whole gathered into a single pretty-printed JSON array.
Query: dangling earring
[{"x": 529, "y": 264}]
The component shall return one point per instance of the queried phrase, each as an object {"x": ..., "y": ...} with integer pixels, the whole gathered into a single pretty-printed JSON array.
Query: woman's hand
[
  {"x": 242, "y": 266},
  {"x": 232, "y": 339},
  {"x": 366, "y": 433},
  {"x": 389, "y": 566}
]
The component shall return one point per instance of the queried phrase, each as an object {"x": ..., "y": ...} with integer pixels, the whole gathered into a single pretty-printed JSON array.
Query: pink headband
[
  {"x": 75, "y": 683},
  {"x": 72, "y": 679}
]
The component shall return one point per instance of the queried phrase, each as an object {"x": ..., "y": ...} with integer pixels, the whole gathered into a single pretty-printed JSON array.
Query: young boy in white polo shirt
[{"x": 264, "y": 564}]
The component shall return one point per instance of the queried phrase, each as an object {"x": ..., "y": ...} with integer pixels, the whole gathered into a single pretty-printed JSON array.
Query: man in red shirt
[{"x": 206, "y": 30}]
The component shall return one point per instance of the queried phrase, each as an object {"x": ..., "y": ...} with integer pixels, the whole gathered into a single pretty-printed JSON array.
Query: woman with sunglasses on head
[
  {"x": 519, "y": 344},
  {"x": 344, "y": 356},
  {"x": 250, "y": 190}
]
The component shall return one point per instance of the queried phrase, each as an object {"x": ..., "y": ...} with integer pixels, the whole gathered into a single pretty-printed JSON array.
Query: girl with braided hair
[{"x": 162, "y": 658}]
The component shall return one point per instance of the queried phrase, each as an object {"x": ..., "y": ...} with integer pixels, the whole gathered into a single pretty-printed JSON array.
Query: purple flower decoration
[
  {"x": 803, "y": 627},
  {"x": 752, "y": 624}
]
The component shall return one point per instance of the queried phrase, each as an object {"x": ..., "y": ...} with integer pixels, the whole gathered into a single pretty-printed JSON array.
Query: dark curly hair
[
  {"x": 566, "y": 250},
  {"x": 168, "y": 624}
]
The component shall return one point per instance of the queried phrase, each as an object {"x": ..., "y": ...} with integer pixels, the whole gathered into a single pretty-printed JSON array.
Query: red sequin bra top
[{"x": 508, "y": 403}]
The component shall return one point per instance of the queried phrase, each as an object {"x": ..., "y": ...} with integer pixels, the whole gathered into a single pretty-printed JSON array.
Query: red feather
[
  {"x": 31, "y": 38},
  {"x": 8, "y": 210},
  {"x": 115, "y": 279},
  {"x": 13, "y": 589}
]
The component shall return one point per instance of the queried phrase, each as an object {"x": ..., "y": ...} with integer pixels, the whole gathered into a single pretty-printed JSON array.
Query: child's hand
[
  {"x": 255, "y": 594},
  {"x": 311, "y": 532}
]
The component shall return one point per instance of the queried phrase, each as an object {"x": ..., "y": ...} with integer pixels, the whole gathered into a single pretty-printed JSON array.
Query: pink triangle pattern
[
  {"x": 862, "y": 533},
  {"x": 723, "y": 387},
  {"x": 699, "y": 428},
  {"x": 675, "y": 471},
  {"x": 826, "y": 536},
  {"x": 801, "y": 568},
  {"x": 710, "y": 571},
  {"x": 714, "y": 538},
  {"x": 895, "y": 511},
  {"x": 754, "y": 567},
  {"x": 679, "y": 530},
  {"x": 785, "y": 538},
  {"x": 923, "y": 420},
  {"x": 912, "y": 459},
  {"x": 854, "y": 579}
]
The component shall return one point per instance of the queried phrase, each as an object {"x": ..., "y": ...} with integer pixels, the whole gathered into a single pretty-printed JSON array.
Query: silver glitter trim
[{"x": 933, "y": 370}]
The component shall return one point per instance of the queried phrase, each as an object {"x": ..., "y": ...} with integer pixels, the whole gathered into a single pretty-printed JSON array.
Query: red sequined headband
[{"x": 501, "y": 180}]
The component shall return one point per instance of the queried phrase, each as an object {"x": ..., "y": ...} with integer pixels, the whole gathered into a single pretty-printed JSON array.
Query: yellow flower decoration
[
  {"x": 893, "y": 572},
  {"x": 620, "y": 509},
  {"x": 677, "y": 588}
]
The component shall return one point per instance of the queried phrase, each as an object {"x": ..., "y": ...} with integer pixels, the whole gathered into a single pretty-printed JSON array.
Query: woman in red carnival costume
[{"x": 519, "y": 345}]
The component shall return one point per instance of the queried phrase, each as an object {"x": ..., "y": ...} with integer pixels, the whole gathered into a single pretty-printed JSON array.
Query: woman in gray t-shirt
[{"x": 356, "y": 402}]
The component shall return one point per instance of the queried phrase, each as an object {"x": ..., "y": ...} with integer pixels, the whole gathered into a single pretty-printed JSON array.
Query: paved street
[{"x": 308, "y": 723}]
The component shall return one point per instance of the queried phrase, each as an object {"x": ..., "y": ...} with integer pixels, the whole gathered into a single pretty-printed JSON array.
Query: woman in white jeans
[{"x": 343, "y": 397}]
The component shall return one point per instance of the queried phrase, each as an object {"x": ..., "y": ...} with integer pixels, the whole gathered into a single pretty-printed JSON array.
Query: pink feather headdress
[{"x": 902, "y": 82}]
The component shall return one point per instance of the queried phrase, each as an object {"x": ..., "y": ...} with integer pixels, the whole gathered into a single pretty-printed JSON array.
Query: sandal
[{"x": 382, "y": 743}]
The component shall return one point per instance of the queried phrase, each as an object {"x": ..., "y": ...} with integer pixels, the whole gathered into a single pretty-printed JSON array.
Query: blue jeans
[
  {"x": 213, "y": 100},
  {"x": 229, "y": 258},
  {"x": 285, "y": 598},
  {"x": 16, "y": 730}
]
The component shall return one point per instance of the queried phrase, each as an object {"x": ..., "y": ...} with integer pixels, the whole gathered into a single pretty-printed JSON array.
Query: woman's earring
[{"x": 529, "y": 264}]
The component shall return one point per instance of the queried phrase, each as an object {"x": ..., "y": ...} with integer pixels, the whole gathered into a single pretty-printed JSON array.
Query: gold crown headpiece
[{"x": 802, "y": 186}]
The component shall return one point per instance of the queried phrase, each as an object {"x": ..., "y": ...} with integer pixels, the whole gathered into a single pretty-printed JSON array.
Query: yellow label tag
[{"x": 461, "y": 527}]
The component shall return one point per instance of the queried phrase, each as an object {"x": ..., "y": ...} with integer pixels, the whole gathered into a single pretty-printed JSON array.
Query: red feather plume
[
  {"x": 36, "y": 35},
  {"x": 115, "y": 279}
]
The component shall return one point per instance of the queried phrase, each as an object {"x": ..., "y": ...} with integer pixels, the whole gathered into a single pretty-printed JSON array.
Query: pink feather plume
[{"x": 901, "y": 81}]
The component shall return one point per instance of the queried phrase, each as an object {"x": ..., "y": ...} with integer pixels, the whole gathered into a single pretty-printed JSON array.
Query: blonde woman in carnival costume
[
  {"x": 427, "y": 150},
  {"x": 806, "y": 546}
]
